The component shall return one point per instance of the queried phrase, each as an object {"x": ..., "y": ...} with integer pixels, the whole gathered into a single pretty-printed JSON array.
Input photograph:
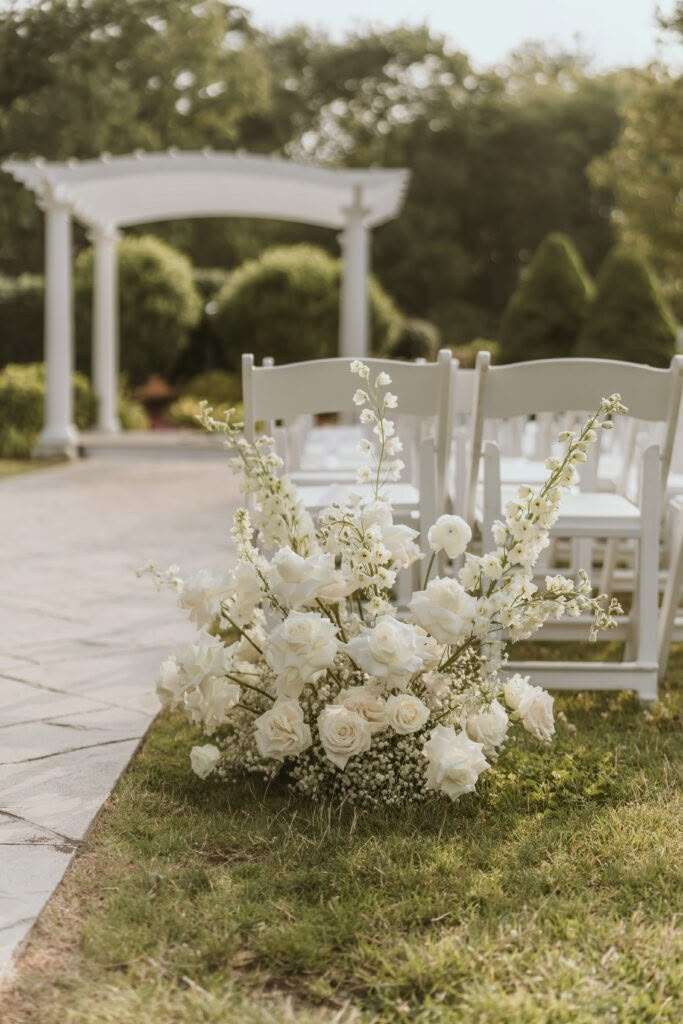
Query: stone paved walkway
[{"x": 81, "y": 639}]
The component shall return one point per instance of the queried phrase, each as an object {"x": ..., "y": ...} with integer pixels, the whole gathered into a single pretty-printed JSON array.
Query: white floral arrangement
[{"x": 303, "y": 667}]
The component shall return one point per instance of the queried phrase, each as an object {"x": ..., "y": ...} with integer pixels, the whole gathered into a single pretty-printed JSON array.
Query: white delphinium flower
[
  {"x": 210, "y": 703},
  {"x": 455, "y": 762},
  {"x": 343, "y": 734},
  {"x": 367, "y": 703},
  {"x": 204, "y": 759},
  {"x": 536, "y": 713},
  {"x": 281, "y": 731},
  {"x": 383, "y": 379},
  {"x": 171, "y": 683},
  {"x": 360, "y": 369},
  {"x": 297, "y": 581},
  {"x": 489, "y": 727},
  {"x": 391, "y": 651},
  {"x": 450, "y": 534},
  {"x": 300, "y": 650},
  {"x": 406, "y": 713},
  {"x": 204, "y": 659},
  {"x": 204, "y": 593},
  {"x": 445, "y": 610}
]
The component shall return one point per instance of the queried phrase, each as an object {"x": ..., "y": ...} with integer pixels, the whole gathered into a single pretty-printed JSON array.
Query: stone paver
[{"x": 81, "y": 639}]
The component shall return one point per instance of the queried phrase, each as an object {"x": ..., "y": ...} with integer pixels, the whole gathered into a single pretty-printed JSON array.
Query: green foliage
[
  {"x": 216, "y": 386},
  {"x": 22, "y": 407},
  {"x": 158, "y": 306},
  {"x": 629, "y": 318},
  {"x": 645, "y": 172},
  {"x": 132, "y": 414},
  {"x": 184, "y": 411},
  {"x": 286, "y": 305},
  {"x": 203, "y": 350},
  {"x": 545, "y": 314},
  {"x": 416, "y": 339},
  {"x": 21, "y": 319},
  {"x": 467, "y": 354}
]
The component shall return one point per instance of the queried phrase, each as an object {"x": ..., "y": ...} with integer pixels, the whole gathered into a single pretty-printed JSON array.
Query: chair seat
[
  {"x": 403, "y": 497},
  {"x": 592, "y": 514}
]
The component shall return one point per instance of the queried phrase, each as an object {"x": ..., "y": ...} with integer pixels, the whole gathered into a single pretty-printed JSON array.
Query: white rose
[
  {"x": 445, "y": 610},
  {"x": 203, "y": 594},
  {"x": 455, "y": 761},
  {"x": 204, "y": 759},
  {"x": 171, "y": 683},
  {"x": 208, "y": 657},
  {"x": 282, "y": 732},
  {"x": 247, "y": 593},
  {"x": 367, "y": 703},
  {"x": 406, "y": 713},
  {"x": 392, "y": 651},
  {"x": 400, "y": 541},
  {"x": 297, "y": 581},
  {"x": 343, "y": 734},
  {"x": 536, "y": 711},
  {"x": 300, "y": 650},
  {"x": 211, "y": 702},
  {"x": 515, "y": 689},
  {"x": 489, "y": 727},
  {"x": 450, "y": 534}
]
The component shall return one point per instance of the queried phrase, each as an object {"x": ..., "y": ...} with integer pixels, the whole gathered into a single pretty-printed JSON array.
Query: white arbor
[{"x": 116, "y": 192}]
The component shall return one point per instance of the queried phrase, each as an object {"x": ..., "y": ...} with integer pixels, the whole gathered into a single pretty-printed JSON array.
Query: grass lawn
[
  {"x": 12, "y": 467},
  {"x": 554, "y": 896}
]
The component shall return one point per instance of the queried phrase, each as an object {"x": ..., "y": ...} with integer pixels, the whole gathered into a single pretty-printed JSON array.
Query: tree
[
  {"x": 286, "y": 305},
  {"x": 544, "y": 315},
  {"x": 629, "y": 318}
]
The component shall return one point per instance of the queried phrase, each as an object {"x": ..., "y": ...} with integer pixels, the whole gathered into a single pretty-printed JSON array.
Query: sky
[{"x": 615, "y": 33}]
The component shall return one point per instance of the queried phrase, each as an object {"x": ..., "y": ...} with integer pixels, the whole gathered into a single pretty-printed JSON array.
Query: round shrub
[
  {"x": 286, "y": 305},
  {"x": 158, "y": 306},
  {"x": 21, "y": 315},
  {"x": 543, "y": 318},
  {"x": 203, "y": 350},
  {"x": 629, "y": 318},
  {"x": 22, "y": 405},
  {"x": 217, "y": 386},
  {"x": 467, "y": 354},
  {"x": 416, "y": 339}
]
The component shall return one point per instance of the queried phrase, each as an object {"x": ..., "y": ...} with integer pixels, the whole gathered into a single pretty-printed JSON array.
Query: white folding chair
[
  {"x": 282, "y": 393},
  {"x": 561, "y": 385}
]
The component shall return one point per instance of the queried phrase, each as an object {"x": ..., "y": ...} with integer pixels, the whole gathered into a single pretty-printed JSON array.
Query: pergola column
[
  {"x": 105, "y": 340},
  {"x": 354, "y": 319},
  {"x": 59, "y": 435}
]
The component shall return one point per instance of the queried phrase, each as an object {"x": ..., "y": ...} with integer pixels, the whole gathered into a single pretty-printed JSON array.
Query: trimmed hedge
[
  {"x": 286, "y": 305},
  {"x": 629, "y": 317},
  {"x": 22, "y": 407},
  {"x": 21, "y": 319},
  {"x": 203, "y": 350},
  {"x": 158, "y": 307},
  {"x": 416, "y": 339},
  {"x": 545, "y": 314}
]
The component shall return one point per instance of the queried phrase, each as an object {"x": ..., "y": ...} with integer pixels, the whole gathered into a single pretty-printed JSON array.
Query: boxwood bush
[
  {"x": 415, "y": 339},
  {"x": 22, "y": 407},
  {"x": 21, "y": 318},
  {"x": 286, "y": 305},
  {"x": 158, "y": 307}
]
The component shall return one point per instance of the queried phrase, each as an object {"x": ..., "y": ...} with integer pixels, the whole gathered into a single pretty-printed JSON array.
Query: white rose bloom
[
  {"x": 489, "y": 727},
  {"x": 400, "y": 541},
  {"x": 536, "y": 712},
  {"x": 515, "y": 689},
  {"x": 392, "y": 651},
  {"x": 406, "y": 713},
  {"x": 367, "y": 703},
  {"x": 455, "y": 761},
  {"x": 445, "y": 610},
  {"x": 296, "y": 581},
  {"x": 247, "y": 592},
  {"x": 300, "y": 650},
  {"x": 375, "y": 513},
  {"x": 171, "y": 683},
  {"x": 204, "y": 759},
  {"x": 337, "y": 588},
  {"x": 208, "y": 657},
  {"x": 450, "y": 534},
  {"x": 212, "y": 702},
  {"x": 203, "y": 594},
  {"x": 343, "y": 734},
  {"x": 282, "y": 732}
]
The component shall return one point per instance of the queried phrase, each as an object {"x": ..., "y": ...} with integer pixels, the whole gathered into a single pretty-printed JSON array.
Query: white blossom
[
  {"x": 391, "y": 651},
  {"x": 454, "y": 761},
  {"x": 450, "y": 534},
  {"x": 281, "y": 731},
  {"x": 300, "y": 650},
  {"x": 445, "y": 610},
  {"x": 489, "y": 727},
  {"x": 343, "y": 734},
  {"x": 406, "y": 713},
  {"x": 204, "y": 759}
]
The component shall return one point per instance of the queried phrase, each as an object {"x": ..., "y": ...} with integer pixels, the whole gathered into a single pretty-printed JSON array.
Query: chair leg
[
  {"x": 648, "y": 571},
  {"x": 609, "y": 563},
  {"x": 672, "y": 590},
  {"x": 492, "y": 497}
]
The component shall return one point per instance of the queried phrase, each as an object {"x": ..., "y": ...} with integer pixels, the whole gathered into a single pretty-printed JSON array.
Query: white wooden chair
[
  {"x": 283, "y": 393},
  {"x": 652, "y": 395}
]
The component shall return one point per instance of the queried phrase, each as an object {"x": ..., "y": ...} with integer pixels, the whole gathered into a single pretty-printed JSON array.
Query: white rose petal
[
  {"x": 171, "y": 683},
  {"x": 445, "y": 610},
  {"x": 406, "y": 713},
  {"x": 204, "y": 759},
  {"x": 297, "y": 581},
  {"x": 450, "y": 534},
  {"x": 536, "y": 712},
  {"x": 515, "y": 689},
  {"x": 343, "y": 734},
  {"x": 489, "y": 727},
  {"x": 282, "y": 732},
  {"x": 392, "y": 651},
  {"x": 455, "y": 762},
  {"x": 367, "y": 703},
  {"x": 300, "y": 650}
]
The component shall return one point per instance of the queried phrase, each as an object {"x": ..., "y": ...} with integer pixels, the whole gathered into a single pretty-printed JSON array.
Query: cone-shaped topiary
[
  {"x": 543, "y": 318},
  {"x": 629, "y": 318}
]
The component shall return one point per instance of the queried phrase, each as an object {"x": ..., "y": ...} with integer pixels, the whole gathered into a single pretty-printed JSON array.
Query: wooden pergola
[{"x": 112, "y": 193}]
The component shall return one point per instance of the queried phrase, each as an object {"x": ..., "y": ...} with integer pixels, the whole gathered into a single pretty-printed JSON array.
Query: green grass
[
  {"x": 553, "y": 897},
  {"x": 12, "y": 467}
]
